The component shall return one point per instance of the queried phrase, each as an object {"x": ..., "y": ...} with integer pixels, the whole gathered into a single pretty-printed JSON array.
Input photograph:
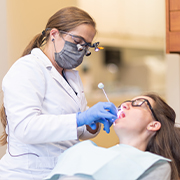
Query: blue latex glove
[{"x": 103, "y": 112}]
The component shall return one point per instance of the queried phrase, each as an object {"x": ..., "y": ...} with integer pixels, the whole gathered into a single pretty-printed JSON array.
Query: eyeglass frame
[
  {"x": 94, "y": 45},
  {"x": 139, "y": 105}
]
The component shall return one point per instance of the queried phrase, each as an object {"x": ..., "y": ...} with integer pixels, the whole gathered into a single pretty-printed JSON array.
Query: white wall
[
  {"x": 139, "y": 23},
  {"x": 3, "y": 53},
  {"x": 130, "y": 17}
]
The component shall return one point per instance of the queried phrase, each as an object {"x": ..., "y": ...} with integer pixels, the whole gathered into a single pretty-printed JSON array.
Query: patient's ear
[{"x": 154, "y": 126}]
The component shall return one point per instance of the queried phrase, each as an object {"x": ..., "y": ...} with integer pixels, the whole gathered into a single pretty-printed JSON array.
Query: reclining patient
[{"x": 148, "y": 149}]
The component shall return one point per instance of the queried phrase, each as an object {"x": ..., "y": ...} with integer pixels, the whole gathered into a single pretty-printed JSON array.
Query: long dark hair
[{"x": 166, "y": 141}]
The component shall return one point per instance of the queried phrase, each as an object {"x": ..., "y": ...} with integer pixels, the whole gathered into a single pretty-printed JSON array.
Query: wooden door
[{"x": 172, "y": 26}]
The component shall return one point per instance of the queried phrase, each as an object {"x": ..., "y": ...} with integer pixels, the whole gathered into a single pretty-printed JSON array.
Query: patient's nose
[{"x": 125, "y": 105}]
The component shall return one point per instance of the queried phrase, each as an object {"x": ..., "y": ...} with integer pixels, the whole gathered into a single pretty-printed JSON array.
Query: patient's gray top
[{"x": 161, "y": 170}]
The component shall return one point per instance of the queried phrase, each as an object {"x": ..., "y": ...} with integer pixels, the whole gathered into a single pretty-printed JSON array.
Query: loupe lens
[
  {"x": 88, "y": 53},
  {"x": 79, "y": 47}
]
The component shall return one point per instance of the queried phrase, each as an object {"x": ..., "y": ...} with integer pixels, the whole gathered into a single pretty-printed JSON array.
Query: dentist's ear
[
  {"x": 154, "y": 126},
  {"x": 53, "y": 33}
]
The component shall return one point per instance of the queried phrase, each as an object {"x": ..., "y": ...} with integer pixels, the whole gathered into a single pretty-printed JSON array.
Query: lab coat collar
[
  {"x": 55, "y": 74},
  {"x": 41, "y": 56}
]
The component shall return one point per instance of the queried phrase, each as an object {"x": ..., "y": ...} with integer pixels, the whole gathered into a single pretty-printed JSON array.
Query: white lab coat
[{"x": 41, "y": 111}]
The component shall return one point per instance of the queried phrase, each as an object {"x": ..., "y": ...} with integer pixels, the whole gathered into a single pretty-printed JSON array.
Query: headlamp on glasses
[{"x": 81, "y": 43}]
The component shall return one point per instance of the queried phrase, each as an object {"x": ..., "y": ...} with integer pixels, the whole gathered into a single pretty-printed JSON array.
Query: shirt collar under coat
[{"x": 57, "y": 76}]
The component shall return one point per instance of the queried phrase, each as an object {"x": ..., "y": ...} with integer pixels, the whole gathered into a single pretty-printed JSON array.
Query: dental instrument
[{"x": 101, "y": 86}]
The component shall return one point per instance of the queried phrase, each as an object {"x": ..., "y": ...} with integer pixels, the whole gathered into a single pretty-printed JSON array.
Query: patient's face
[{"x": 134, "y": 117}]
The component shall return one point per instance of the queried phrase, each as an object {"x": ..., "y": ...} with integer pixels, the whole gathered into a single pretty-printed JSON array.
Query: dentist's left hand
[{"x": 102, "y": 112}]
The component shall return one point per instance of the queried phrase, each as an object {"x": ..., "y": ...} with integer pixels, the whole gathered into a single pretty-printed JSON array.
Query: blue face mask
[{"x": 69, "y": 57}]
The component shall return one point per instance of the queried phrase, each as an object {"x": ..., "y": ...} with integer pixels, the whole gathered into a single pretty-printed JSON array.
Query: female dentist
[{"x": 45, "y": 110}]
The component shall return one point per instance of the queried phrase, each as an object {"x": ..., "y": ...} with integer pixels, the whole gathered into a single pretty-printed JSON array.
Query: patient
[{"x": 149, "y": 146}]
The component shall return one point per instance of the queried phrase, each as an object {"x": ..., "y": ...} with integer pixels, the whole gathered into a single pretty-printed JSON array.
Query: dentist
[{"x": 45, "y": 110}]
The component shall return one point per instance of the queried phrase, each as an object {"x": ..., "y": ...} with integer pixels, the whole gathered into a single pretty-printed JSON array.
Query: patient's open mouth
[{"x": 121, "y": 114}]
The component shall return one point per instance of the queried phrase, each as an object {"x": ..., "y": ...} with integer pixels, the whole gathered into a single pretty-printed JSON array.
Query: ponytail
[
  {"x": 3, "y": 138},
  {"x": 36, "y": 42}
]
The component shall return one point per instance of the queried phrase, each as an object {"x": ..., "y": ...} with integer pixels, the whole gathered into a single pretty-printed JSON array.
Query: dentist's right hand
[{"x": 103, "y": 112}]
